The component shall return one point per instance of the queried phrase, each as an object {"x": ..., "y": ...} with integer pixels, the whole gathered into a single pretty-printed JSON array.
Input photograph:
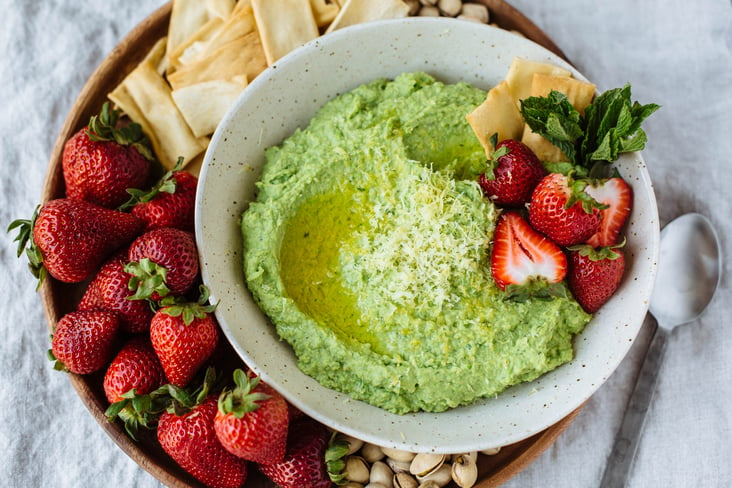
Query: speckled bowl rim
[{"x": 286, "y": 96}]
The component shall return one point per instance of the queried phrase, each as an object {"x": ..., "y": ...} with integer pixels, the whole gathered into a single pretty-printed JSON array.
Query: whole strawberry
[
  {"x": 109, "y": 290},
  {"x": 304, "y": 465},
  {"x": 524, "y": 262},
  {"x": 189, "y": 438},
  {"x": 617, "y": 194},
  {"x": 69, "y": 239},
  {"x": 170, "y": 203},
  {"x": 136, "y": 366},
  {"x": 163, "y": 261},
  {"x": 252, "y": 420},
  {"x": 562, "y": 210},
  {"x": 100, "y": 162},
  {"x": 184, "y": 336},
  {"x": 594, "y": 274},
  {"x": 512, "y": 174},
  {"x": 83, "y": 342}
]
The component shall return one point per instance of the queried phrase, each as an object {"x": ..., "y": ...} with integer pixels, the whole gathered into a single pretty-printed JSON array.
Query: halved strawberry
[
  {"x": 617, "y": 194},
  {"x": 563, "y": 211},
  {"x": 522, "y": 257}
]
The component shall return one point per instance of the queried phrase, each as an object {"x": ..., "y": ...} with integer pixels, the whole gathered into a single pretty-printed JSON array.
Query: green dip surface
[{"x": 368, "y": 249}]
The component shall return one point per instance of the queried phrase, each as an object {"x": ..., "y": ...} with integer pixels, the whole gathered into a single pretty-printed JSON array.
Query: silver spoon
[{"x": 689, "y": 266}]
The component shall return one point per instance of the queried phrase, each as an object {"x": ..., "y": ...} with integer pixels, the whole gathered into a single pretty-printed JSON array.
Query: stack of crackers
[
  {"x": 213, "y": 50},
  {"x": 500, "y": 113}
]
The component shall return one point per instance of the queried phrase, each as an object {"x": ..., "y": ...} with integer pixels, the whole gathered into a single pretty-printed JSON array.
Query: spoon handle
[{"x": 622, "y": 456}]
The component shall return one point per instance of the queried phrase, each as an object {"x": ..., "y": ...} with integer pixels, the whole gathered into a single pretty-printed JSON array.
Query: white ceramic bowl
[{"x": 285, "y": 97}]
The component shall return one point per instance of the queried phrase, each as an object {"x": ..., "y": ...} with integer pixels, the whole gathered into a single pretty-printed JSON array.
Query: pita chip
[
  {"x": 358, "y": 11},
  {"x": 521, "y": 75},
  {"x": 498, "y": 114},
  {"x": 243, "y": 56},
  {"x": 145, "y": 97},
  {"x": 284, "y": 25},
  {"x": 204, "y": 104},
  {"x": 324, "y": 11}
]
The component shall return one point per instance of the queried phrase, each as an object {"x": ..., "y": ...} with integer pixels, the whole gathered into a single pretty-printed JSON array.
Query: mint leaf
[
  {"x": 612, "y": 125},
  {"x": 556, "y": 119}
]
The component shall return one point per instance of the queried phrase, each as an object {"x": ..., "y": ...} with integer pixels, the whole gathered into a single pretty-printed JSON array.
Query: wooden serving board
[{"x": 59, "y": 298}]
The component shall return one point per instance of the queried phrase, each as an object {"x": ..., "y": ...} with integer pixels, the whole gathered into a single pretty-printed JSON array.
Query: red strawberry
[
  {"x": 163, "y": 261},
  {"x": 109, "y": 290},
  {"x": 131, "y": 385},
  {"x": 594, "y": 274},
  {"x": 83, "y": 342},
  {"x": 191, "y": 441},
  {"x": 523, "y": 257},
  {"x": 71, "y": 238},
  {"x": 561, "y": 210},
  {"x": 184, "y": 337},
  {"x": 512, "y": 174},
  {"x": 100, "y": 162},
  {"x": 252, "y": 420},
  {"x": 304, "y": 463},
  {"x": 136, "y": 366},
  {"x": 170, "y": 203},
  {"x": 618, "y": 196}
]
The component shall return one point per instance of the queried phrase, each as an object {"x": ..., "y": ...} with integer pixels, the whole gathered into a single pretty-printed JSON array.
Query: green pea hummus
[{"x": 368, "y": 248}]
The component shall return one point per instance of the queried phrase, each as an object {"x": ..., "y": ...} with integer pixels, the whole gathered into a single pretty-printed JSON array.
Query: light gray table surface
[{"x": 675, "y": 53}]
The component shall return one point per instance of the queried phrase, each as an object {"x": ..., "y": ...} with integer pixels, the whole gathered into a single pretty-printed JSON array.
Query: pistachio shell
[
  {"x": 353, "y": 444},
  {"x": 357, "y": 469},
  {"x": 398, "y": 454},
  {"x": 429, "y": 484},
  {"x": 442, "y": 476},
  {"x": 351, "y": 484},
  {"x": 425, "y": 463},
  {"x": 398, "y": 466},
  {"x": 381, "y": 473},
  {"x": 464, "y": 471},
  {"x": 472, "y": 455},
  {"x": 404, "y": 480},
  {"x": 376, "y": 485},
  {"x": 491, "y": 452},
  {"x": 372, "y": 453}
]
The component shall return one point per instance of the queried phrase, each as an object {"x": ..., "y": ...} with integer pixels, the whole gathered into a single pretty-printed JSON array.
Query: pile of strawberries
[
  {"x": 555, "y": 227},
  {"x": 145, "y": 319}
]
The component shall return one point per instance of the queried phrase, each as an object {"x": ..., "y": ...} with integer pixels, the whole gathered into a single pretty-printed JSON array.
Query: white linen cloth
[{"x": 675, "y": 53}]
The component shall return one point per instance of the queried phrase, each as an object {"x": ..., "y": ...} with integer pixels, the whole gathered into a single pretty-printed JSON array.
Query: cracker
[
  {"x": 222, "y": 8},
  {"x": 243, "y": 56},
  {"x": 186, "y": 17},
  {"x": 358, "y": 11},
  {"x": 146, "y": 99},
  {"x": 324, "y": 11},
  {"x": 521, "y": 74},
  {"x": 204, "y": 104},
  {"x": 497, "y": 114},
  {"x": 284, "y": 25},
  {"x": 185, "y": 52}
]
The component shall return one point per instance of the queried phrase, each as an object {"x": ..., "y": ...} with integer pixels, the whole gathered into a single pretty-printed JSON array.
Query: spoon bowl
[{"x": 688, "y": 271}]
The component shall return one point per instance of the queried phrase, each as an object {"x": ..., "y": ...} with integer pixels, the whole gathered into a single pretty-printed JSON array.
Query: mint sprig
[{"x": 611, "y": 125}]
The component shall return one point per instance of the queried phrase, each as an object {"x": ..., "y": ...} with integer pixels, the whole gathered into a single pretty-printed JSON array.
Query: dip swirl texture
[{"x": 368, "y": 249}]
